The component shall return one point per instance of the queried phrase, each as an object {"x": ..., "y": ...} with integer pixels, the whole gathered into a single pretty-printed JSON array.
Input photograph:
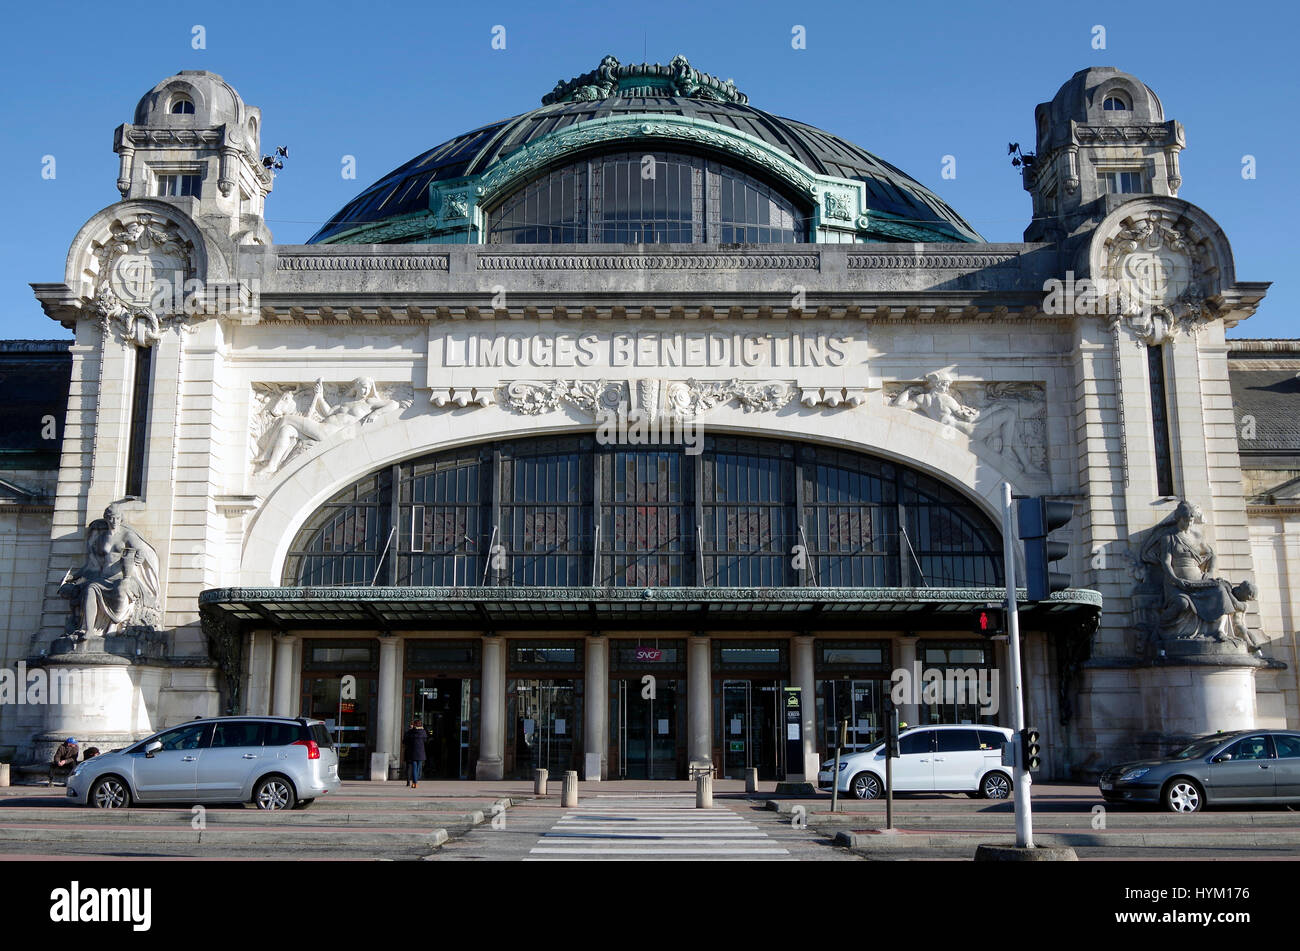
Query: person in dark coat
[{"x": 413, "y": 752}]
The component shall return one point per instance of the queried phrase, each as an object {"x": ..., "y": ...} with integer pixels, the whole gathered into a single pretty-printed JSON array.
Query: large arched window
[
  {"x": 566, "y": 512},
  {"x": 646, "y": 198}
]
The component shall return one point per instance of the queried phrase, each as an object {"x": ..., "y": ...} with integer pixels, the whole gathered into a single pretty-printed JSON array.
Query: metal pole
[
  {"x": 1021, "y": 781},
  {"x": 889, "y": 785}
]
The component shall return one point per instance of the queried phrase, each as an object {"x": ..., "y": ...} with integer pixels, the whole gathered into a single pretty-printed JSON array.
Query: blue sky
[{"x": 385, "y": 81}]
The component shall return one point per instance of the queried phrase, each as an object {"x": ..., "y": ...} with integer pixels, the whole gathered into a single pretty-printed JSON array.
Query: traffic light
[
  {"x": 989, "y": 622},
  {"x": 1038, "y": 518},
  {"x": 891, "y": 728},
  {"x": 1030, "y": 750}
]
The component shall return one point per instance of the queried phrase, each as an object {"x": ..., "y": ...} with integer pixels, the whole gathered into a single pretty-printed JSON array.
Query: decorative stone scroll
[
  {"x": 1155, "y": 277},
  {"x": 138, "y": 255},
  {"x": 1008, "y": 417},
  {"x": 291, "y": 419},
  {"x": 669, "y": 399},
  {"x": 1180, "y": 607}
]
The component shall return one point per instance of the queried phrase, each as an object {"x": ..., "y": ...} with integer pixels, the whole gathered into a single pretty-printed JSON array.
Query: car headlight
[
  {"x": 1135, "y": 774},
  {"x": 75, "y": 770}
]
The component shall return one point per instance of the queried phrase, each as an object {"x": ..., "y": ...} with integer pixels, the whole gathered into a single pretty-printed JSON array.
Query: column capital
[{"x": 286, "y": 639}]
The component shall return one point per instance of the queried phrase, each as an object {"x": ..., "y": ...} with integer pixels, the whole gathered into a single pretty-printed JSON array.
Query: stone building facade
[{"x": 648, "y": 383}]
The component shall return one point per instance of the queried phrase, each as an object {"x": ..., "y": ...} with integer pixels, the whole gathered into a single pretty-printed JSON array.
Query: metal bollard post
[
  {"x": 4, "y": 774},
  {"x": 703, "y": 790},
  {"x": 570, "y": 796},
  {"x": 751, "y": 780},
  {"x": 540, "y": 777}
]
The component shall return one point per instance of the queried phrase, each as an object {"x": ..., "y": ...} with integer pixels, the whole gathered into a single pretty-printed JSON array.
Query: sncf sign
[{"x": 648, "y": 653}]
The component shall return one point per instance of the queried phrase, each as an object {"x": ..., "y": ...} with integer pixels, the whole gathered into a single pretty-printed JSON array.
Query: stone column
[
  {"x": 388, "y": 700},
  {"x": 595, "y": 731},
  {"x": 286, "y": 699},
  {"x": 801, "y": 675},
  {"x": 492, "y": 711},
  {"x": 906, "y": 659},
  {"x": 699, "y": 708},
  {"x": 257, "y": 684}
]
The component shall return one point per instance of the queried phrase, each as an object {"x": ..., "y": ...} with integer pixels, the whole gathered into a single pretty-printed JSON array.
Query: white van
[{"x": 949, "y": 758}]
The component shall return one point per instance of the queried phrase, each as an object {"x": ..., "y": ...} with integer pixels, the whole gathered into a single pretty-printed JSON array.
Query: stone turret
[
  {"x": 1102, "y": 140},
  {"x": 195, "y": 144}
]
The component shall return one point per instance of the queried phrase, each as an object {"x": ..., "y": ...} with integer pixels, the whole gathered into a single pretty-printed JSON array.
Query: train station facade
[{"x": 587, "y": 434}]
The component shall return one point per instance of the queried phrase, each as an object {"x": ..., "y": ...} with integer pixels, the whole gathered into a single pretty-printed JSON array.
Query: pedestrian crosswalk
[{"x": 635, "y": 827}]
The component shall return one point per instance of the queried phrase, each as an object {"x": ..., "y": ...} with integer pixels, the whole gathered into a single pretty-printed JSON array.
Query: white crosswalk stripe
[{"x": 665, "y": 826}]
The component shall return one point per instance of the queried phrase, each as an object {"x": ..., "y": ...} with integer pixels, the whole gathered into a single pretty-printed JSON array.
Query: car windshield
[{"x": 1199, "y": 749}]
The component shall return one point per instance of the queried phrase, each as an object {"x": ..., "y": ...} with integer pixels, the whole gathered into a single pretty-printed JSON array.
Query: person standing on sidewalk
[{"x": 413, "y": 751}]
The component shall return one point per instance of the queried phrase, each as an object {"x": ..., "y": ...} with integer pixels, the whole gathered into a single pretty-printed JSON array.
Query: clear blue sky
[{"x": 384, "y": 81}]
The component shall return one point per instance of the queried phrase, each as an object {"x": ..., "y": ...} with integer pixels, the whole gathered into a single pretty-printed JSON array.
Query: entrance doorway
[
  {"x": 545, "y": 717},
  {"x": 443, "y": 704},
  {"x": 646, "y": 729},
  {"x": 348, "y": 707},
  {"x": 861, "y": 703},
  {"x": 751, "y": 729}
]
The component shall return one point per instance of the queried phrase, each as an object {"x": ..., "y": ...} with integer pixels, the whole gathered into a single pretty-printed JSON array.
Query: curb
[
  {"x": 228, "y": 837},
  {"x": 948, "y": 840}
]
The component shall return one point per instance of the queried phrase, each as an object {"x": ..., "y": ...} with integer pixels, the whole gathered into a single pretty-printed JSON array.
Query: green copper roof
[{"x": 893, "y": 206}]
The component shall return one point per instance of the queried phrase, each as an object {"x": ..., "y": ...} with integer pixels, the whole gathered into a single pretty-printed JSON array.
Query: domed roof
[{"x": 655, "y": 91}]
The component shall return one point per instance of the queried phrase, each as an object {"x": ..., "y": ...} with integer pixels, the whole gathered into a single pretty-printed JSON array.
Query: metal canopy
[{"x": 685, "y": 609}]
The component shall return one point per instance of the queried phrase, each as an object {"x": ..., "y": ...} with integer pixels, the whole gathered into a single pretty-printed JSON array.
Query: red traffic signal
[{"x": 989, "y": 622}]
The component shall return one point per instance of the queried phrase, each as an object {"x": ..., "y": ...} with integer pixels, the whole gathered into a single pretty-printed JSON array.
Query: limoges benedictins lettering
[{"x": 658, "y": 349}]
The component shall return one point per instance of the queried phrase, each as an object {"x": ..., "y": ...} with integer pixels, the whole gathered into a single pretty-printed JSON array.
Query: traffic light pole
[{"x": 1020, "y": 774}]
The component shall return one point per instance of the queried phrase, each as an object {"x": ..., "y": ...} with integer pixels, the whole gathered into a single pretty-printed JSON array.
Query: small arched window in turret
[
  {"x": 1114, "y": 103},
  {"x": 182, "y": 106}
]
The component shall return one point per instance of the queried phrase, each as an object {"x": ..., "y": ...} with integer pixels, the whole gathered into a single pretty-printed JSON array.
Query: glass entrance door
[
  {"x": 347, "y": 705},
  {"x": 861, "y": 702},
  {"x": 545, "y": 714},
  {"x": 751, "y": 721},
  {"x": 646, "y": 737},
  {"x": 443, "y": 704}
]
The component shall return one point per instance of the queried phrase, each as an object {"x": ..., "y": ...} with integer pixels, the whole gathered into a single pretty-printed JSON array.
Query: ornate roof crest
[{"x": 612, "y": 79}]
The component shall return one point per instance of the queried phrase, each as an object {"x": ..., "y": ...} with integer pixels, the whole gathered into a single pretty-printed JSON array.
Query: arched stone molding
[
  {"x": 1162, "y": 265},
  {"x": 906, "y": 438},
  {"x": 81, "y": 270}
]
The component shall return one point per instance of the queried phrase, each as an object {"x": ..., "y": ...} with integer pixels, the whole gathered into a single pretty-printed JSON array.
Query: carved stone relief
[
  {"x": 289, "y": 419},
  {"x": 668, "y": 399},
  {"x": 1008, "y": 417},
  {"x": 138, "y": 254},
  {"x": 1155, "y": 275}
]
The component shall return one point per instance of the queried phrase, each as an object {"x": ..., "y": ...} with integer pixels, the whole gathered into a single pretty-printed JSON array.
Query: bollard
[
  {"x": 4, "y": 774},
  {"x": 570, "y": 796},
  {"x": 703, "y": 790},
  {"x": 751, "y": 780},
  {"x": 540, "y": 777}
]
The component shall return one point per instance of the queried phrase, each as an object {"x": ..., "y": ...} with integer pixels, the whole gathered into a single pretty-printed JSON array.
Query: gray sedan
[{"x": 1246, "y": 766}]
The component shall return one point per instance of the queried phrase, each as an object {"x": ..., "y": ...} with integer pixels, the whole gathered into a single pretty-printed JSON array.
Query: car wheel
[
  {"x": 865, "y": 786},
  {"x": 1183, "y": 795},
  {"x": 996, "y": 786},
  {"x": 110, "y": 793},
  {"x": 274, "y": 793},
  {"x": 304, "y": 803}
]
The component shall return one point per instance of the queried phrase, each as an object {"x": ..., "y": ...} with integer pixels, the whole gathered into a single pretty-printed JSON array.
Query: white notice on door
[
  {"x": 792, "y": 731},
  {"x": 864, "y": 726},
  {"x": 735, "y": 726},
  {"x": 663, "y": 727},
  {"x": 559, "y": 727},
  {"x": 529, "y": 726}
]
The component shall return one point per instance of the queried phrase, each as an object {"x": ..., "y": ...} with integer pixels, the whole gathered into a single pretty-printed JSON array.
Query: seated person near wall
[{"x": 65, "y": 760}]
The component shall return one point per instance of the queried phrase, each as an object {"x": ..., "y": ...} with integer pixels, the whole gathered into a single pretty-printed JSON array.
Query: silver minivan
[
  {"x": 940, "y": 758},
  {"x": 272, "y": 762}
]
